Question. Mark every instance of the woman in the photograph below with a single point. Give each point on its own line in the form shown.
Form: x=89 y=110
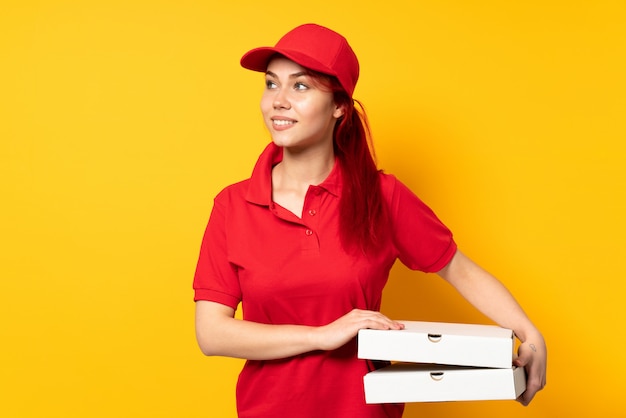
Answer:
x=307 y=242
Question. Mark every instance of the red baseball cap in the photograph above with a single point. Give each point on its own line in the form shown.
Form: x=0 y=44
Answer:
x=314 y=47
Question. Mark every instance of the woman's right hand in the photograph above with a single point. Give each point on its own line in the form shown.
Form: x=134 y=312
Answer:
x=342 y=330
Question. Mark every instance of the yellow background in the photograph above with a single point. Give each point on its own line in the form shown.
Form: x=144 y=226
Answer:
x=120 y=120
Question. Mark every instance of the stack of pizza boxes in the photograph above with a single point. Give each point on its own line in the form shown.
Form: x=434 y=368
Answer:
x=436 y=361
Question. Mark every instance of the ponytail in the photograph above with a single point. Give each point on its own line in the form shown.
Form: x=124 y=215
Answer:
x=362 y=210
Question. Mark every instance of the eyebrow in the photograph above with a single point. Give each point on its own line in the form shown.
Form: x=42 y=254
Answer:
x=294 y=75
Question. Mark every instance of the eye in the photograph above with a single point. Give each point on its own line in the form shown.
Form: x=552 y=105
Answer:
x=269 y=84
x=300 y=86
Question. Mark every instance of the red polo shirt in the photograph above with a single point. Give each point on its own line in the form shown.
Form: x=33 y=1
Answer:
x=289 y=270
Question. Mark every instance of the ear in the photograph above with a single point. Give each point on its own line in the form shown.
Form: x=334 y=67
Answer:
x=339 y=111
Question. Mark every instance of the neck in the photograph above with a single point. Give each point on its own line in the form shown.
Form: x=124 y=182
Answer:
x=297 y=171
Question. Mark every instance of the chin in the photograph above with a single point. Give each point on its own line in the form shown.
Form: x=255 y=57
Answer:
x=282 y=141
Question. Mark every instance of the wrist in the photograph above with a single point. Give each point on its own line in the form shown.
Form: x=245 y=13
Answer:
x=313 y=338
x=530 y=336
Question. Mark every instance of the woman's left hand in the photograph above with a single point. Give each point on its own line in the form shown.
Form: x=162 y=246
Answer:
x=532 y=355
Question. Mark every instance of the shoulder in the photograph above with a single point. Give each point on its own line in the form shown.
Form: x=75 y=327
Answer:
x=398 y=195
x=233 y=192
x=387 y=181
x=389 y=184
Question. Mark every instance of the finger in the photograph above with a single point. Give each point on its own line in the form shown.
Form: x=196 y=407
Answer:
x=526 y=397
x=381 y=323
x=376 y=320
x=393 y=324
x=530 y=392
x=521 y=360
x=525 y=354
x=534 y=384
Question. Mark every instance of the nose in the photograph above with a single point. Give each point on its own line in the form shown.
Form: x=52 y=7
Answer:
x=281 y=100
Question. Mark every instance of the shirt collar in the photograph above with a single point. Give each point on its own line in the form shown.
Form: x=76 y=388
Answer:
x=260 y=190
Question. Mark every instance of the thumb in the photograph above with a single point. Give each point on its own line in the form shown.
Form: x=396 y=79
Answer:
x=523 y=358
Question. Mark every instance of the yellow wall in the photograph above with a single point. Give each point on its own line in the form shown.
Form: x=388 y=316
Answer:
x=120 y=120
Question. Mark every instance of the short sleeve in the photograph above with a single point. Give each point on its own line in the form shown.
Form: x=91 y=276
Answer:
x=215 y=278
x=423 y=242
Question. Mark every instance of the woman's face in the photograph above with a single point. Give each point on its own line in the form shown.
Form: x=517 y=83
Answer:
x=298 y=112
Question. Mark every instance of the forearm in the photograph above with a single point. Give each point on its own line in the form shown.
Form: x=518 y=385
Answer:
x=494 y=300
x=487 y=294
x=220 y=334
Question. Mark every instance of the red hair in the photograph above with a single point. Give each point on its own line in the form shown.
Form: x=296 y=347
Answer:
x=362 y=212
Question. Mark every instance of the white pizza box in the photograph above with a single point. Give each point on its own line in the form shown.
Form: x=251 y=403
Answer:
x=409 y=382
x=441 y=343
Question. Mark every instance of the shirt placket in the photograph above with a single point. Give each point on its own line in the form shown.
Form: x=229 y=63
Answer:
x=310 y=220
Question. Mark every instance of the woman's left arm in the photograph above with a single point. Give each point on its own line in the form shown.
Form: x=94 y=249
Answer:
x=487 y=294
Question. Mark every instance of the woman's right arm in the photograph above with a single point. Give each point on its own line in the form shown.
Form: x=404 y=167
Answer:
x=219 y=333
